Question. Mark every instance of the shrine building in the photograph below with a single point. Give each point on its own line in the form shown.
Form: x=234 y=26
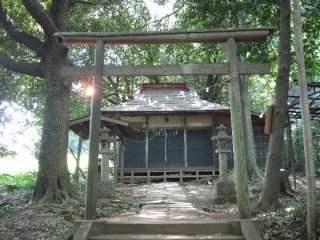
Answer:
x=173 y=134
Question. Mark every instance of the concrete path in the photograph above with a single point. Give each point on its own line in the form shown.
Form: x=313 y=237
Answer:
x=166 y=201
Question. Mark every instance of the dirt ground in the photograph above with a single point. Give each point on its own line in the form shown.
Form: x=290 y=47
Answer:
x=21 y=220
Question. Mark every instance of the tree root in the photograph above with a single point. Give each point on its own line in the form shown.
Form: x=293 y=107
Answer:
x=266 y=207
x=49 y=192
x=57 y=196
x=285 y=186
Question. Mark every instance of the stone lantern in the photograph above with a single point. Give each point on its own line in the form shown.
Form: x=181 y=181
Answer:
x=224 y=190
x=222 y=150
x=105 y=152
x=105 y=187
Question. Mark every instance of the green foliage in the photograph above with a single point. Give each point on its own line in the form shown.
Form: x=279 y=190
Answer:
x=107 y=15
x=15 y=182
x=114 y=15
x=16 y=122
x=298 y=148
x=5 y=206
x=161 y=2
x=24 y=90
x=110 y=16
x=201 y=14
x=204 y=14
x=298 y=212
x=4 y=119
x=5 y=152
x=311 y=26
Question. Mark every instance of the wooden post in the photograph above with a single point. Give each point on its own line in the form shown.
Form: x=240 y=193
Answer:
x=115 y=160
x=121 y=150
x=213 y=143
x=95 y=124
x=268 y=120
x=185 y=142
x=146 y=158
x=306 y=125
x=132 y=176
x=164 y=176
x=237 y=132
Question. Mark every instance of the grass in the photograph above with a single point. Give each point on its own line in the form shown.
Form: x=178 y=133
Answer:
x=13 y=184
x=16 y=182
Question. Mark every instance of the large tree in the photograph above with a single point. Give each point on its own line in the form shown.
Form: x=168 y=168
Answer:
x=34 y=50
x=271 y=187
x=49 y=56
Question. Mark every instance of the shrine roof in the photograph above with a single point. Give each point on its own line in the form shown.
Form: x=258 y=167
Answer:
x=157 y=98
x=294 y=109
x=81 y=126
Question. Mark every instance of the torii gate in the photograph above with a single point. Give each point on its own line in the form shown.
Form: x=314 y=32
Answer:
x=233 y=68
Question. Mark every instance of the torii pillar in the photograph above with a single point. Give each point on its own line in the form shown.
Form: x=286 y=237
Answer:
x=94 y=137
x=238 y=136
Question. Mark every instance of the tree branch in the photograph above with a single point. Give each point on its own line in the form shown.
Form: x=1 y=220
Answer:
x=19 y=35
x=167 y=15
x=85 y=2
x=32 y=69
x=75 y=158
x=41 y=16
x=111 y=101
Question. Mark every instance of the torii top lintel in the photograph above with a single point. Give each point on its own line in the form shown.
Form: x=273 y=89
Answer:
x=168 y=37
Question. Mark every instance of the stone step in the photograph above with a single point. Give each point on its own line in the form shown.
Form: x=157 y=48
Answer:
x=211 y=227
x=166 y=237
x=174 y=230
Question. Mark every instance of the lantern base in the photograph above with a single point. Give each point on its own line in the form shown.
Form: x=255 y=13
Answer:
x=105 y=189
x=224 y=192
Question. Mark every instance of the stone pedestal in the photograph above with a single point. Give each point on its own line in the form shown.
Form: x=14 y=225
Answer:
x=105 y=189
x=224 y=192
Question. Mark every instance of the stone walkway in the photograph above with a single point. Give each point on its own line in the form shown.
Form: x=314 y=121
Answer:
x=166 y=201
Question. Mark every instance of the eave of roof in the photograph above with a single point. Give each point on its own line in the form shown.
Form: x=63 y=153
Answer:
x=82 y=125
x=165 y=99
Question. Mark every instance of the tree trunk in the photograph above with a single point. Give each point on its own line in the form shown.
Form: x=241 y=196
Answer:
x=270 y=191
x=312 y=220
x=47 y=57
x=53 y=182
x=285 y=186
x=252 y=167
